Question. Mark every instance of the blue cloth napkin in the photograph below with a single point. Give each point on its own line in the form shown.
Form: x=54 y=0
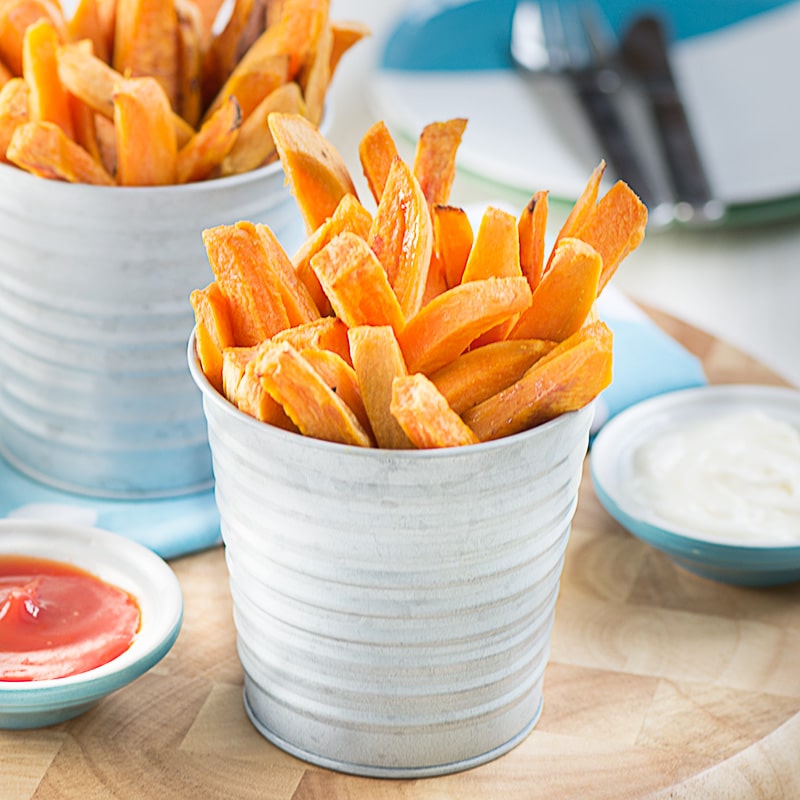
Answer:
x=171 y=527
x=647 y=361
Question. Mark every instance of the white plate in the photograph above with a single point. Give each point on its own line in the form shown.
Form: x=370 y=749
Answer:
x=116 y=560
x=531 y=135
x=748 y=562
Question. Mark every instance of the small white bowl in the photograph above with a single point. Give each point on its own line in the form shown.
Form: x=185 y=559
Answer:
x=731 y=560
x=116 y=560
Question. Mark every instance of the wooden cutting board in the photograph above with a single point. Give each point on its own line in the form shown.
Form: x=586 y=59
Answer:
x=660 y=684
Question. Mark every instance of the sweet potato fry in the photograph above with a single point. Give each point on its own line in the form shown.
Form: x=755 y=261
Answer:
x=452 y=241
x=211 y=310
x=615 y=228
x=223 y=51
x=255 y=26
x=436 y=282
x=43 y=149
x=106 y=143
x=293 y=36
x=315 y=77
x=345 y=35
x=5 y=74
x=444 y=328
x=531 y=229
x=435 y=158
x=494 y=253
x=234 y=363
x=274 y=10
x=87 y=76
x=350 y=216
x=324 y=333
x=401 y=236
x=296 y=299
x=318 y=176
x=425 y=416
x=341 y=378
x=146 y=43
x=107 y=19
x=94 y=81
x=478 y=374
x=377 y=151
x=584 y=205
x=147 y=148
x=212 y=313
x=13 y=111
x=243 y=388
x=252 y=399
x=84 y=126
x=355 y=283
x=377 y=361
x=308 y=401
x=48 y=100
x=565 y=295
x=15 y=17
x=250 y=84
x=189 y=99
x=254 y=146
x=204 y=152
x=239 y=264
x=209 y=355
x=565 y=380
x=86 y=23
x=300 y=24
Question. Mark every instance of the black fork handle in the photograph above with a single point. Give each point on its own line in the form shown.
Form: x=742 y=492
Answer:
x=612 y=135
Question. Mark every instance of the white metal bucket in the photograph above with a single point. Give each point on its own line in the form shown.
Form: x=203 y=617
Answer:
x=95 y=394
x=393 y=608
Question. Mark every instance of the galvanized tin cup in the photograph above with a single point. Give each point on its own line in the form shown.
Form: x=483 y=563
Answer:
x=393 y=608
x=95 y=394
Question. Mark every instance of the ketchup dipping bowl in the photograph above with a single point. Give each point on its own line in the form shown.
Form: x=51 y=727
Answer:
x=112 y=559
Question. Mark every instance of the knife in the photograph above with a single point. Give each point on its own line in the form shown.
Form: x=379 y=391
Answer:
x=644 y=51
x=533 y=49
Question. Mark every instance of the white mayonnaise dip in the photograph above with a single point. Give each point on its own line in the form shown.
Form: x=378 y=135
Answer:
x=736 y=477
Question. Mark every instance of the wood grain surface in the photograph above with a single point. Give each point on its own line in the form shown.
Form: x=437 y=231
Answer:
x=660 y=684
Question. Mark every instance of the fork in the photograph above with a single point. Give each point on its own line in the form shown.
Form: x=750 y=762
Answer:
x=568 y=38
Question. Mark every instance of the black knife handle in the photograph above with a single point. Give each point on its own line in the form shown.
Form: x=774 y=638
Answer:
x=644 y=49
x=683 y=160
x=613 y=136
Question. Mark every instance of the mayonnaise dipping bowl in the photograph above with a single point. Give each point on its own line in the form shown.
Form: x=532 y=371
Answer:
x=711 y=477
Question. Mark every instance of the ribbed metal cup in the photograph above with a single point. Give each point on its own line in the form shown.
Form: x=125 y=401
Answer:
x=393 y=608
x=95 y=394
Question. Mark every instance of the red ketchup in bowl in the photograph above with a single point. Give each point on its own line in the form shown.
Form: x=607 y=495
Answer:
x=58 y=620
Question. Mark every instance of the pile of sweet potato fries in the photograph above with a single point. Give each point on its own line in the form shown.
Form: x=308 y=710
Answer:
x=406 y=328
x=159 y=92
